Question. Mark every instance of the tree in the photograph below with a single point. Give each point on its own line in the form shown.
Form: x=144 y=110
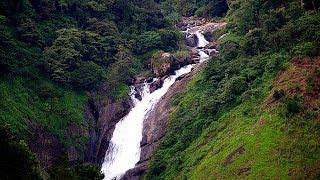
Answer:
x=78 y=58
x=255 y=42
x=120 y=72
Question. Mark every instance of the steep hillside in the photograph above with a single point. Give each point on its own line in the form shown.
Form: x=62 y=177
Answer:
x=253 y=112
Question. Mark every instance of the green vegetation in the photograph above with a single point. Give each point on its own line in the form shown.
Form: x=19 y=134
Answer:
x=238 y=118
x=173 y=9
x=62 y=170
x=42 y=102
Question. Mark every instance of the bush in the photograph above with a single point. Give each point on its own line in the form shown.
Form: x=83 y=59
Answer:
x=87 y=76
x=62 y=170
x=255 y=42
x=292 y=106
x=88 y=172
x=47 y=90
x=278 y=94
x=275 y=62
x=305 y=49
x=230 y=50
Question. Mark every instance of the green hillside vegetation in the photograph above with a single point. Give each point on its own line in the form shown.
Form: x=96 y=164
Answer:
x=253 y=112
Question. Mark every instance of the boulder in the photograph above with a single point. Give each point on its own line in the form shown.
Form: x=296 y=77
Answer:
x=164 y=64
x=191 y=40
x=155 y=85
x=182 y=26
x=141 y=79
x=188 y=58
x=138 y=88
x=211 y=45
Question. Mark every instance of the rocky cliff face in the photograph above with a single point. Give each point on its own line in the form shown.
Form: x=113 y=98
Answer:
x=102 y=115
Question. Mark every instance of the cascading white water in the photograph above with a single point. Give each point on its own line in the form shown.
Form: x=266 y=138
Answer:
x=124 y=150
x=202 y=42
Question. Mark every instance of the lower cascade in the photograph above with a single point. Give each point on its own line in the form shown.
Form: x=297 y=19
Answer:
x=124 y=149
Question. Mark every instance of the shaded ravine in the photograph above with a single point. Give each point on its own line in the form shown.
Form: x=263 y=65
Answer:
x=124 y=150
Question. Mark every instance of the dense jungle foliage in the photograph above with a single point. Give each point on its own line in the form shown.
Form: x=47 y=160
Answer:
x=174 y=9
x=253 y=112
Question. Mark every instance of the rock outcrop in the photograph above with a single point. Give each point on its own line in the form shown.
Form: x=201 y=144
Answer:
x=191 y=40
x=154 y=126
x=156 y=85
x=193 y=24
x=189 y=58
x=164 y=64
x=102 y=114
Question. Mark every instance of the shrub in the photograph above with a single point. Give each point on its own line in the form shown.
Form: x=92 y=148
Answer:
x=254 y=43
x=292 y=106
x=278 y=94
x=87 y=76
x=275 y=62
x=230 y=50
x=305 y=49
x=163 y=40
x=47 y=90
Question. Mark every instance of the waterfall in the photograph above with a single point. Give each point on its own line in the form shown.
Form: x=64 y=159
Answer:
x=124 y=149
x=202 y=42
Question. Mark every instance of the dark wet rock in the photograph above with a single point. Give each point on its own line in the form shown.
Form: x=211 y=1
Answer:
x=209 y=36
x=191 y=40
x=141 y=79
x=138 y=96
x=155 y=85
x=182 y=26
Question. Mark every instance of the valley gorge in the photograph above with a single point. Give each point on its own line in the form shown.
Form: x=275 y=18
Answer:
x=153 y=90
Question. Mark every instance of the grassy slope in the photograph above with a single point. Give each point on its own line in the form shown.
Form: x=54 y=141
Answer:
x=275 y=146
x=258 y=138
x=41 y=101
